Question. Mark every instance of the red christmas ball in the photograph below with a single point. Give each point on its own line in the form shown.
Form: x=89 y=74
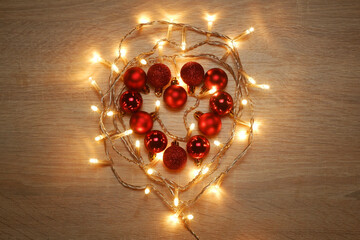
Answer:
x=175 y=96
x=198 y=146
x=192 y=73
x=174 y=157
x=155 y=141
x=221 y=103
x=209 y=124
x=130 y=101
x=159 y=75
x=135 y=78
x=217 y=78
x=141 y=122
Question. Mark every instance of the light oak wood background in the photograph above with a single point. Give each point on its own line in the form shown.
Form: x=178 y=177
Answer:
x=301 y=179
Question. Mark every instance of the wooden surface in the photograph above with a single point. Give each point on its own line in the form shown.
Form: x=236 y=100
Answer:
x=301 y=179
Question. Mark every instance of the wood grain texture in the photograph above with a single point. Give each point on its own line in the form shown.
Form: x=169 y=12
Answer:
x=301 y=179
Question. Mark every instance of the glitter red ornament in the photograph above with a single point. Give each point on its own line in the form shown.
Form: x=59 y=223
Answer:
x=215 y=77
x=159 y=75
x=175 y=96
x=221 y=103
x=208 y=123
x=135 y=79
x=198 y=147
x=141 y=122
x=155 y=141
x=192 y=73
x=174 y=157
x=130 y=101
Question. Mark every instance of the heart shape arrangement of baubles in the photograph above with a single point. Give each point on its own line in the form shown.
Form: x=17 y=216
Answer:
x=175 y=97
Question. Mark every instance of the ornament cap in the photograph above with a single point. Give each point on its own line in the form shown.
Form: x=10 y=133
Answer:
x=175 y=143
x=174 y=81
x=191 y=89
x=198 y=114
x=158 y=92
x=146 y=89
x=198 y=161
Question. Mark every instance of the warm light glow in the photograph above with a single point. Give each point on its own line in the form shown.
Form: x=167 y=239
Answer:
x=212 y=90
x=96 y=58
x=147 y=190
x=94 y=108
x=114 y=68
x=174 y=218
x=93 y=161
x=160 y=44
x=210 y=18
x=128 y=132
x=183 y=46
x=157 y=103
x=92 y=81
x=196 y=172
x=144 y=19
x=217 y=143
x=205 y=170
x=256 y=126
x=250 y=30
x=242 y=135
x=110 y=113
x=137 y=144
x=244 y=102
x=215 y=188
x=150 y=171
x=100 y=137
x=192 y=126
x=264 y=86
x=160 y=155
x=251 y=80
x=232 y=44
x=190 y=217
x=143 y=61
x=176 y=201
x=122 y=52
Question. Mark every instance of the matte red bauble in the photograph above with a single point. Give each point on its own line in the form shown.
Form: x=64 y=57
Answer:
x=130 y=101
x=175 y=96
x=215 y=77
x=221 y=103
x=141 y=122
x=155 y=141
x=159 y=75
x=209 y=124
x=192 y=73
x=135 y=79
x=198 y=146
x=174 y=157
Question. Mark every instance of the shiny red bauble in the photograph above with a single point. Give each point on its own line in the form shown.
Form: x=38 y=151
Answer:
x=198 y=146
x=192 y=73
x=215 y=77
x=209 y=124
x=130 y=101
x=155 y=141
x=174 y=157
x=175 y=96
x=159 y=75
x=221 y=103
x=135 y=79
x=141 y=122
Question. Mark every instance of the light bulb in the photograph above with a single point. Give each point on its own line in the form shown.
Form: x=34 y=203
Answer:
x=122 y=52
x=205 y=170
x=144 y=19
x=212 y=90
x=147 y=190
x=93 y=161
x=190 y=217
x=192 y=126
x=110 y=113
x=242 y=135
x=114 y=68
x=137 y=144
x=244 y=102
x=94 y=108
x=143 y=61
x=251 y=80
x=217 y=143
x=96 y=58
x=150 y=171
x=176 y=201
x=100 y=137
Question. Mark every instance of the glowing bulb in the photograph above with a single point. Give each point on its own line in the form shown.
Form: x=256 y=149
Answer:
x=100 y=137
x=96 y=58
x=256 y=126
x=144 y=19
x=157 y=103
x=217 y=143
x=159 y=155
x=114 y=68
x=242 y=135
x=244 y=102
x=137 y=144
x=232 y=43
x=264 y=86
x=192 y=126
x=128 y=132
x=196 y=172
x=143 y=61
x=183 y=46
x=210 y=18
x=94 y=108
x=176 y=201
x=251 y=29
x=205 y=170
x=190 y=217
x=150 y=171
x=174 y=218
x=147 y=190
x=92 y=81
x=122 y=52
x=93 y=161
x=251 y=80
x=110 y=113
x=212 y=90
x=215 y=189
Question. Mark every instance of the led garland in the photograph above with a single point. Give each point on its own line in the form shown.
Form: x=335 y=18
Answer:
x=109 y=101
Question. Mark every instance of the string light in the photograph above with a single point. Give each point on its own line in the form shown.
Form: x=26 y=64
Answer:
x=110 y=113
x=251 y=80
x=212 y=90
x=150 y=171
x=157 y=106
x=96 y=58
x=100 y=137
x=174 y=218
x=93 y=160
x=176 y=201
x=210 y=19
x=144 y=19
x=264 y=86
x=191 y=128
x=256 y=126
x=183 y=39
x=159 y=156
x=143 y=61
x=147 y=190
x=94 y=108
x=250 y=30
x=114 y=68
x=217 y=143
x=244 y=102
x=242 y=135
x=190 y=217
x=137 y=146
x=205 y=170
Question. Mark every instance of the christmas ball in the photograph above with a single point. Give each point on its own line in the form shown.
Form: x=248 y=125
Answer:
x=130 y=101
x=174 y=157
x=221 y=103
x=155 y=141
x=141 y=122
x=135 y=79
x=209 y=124
x=198 y=146
x=192 y=73
x=159 y=75
x=175 y=96
x=215 y=77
